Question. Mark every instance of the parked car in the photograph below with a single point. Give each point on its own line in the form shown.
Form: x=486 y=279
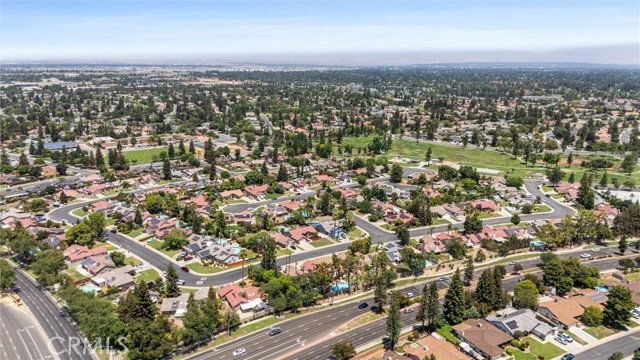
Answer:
x=561 y=340
x=635 y=314
x=585 y=256
x=595 y=249
x=408 y=310
x=566 y=337
x=567 y=357
x=185 y=269
x=239 y=351
x=363 y=305
x=188 y=257
x=113 y=231
x=275 y=331
x=442 y=278
x=410 y=295
x=513 y=263
x=180 y=282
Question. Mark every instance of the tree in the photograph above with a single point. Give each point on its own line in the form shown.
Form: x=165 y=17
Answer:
x=380 y=292
x=117 y=257
x=138 y=217
x=623 y=245
x=617 y=309
x=394 y=326
x=472 y=224
x=283 y=175
x=604 y=180
x=525 y=295
x=480 y=256
x=172 y=282
x=454 y=309
x=268 y=261
x=515 y=181
x=147 y=340
x=515 y=219
x=47 y=265
x=570 y=159
x=97 y=223
x=618 y=355
x=166 y=169
x=343 y=350
x=428 y=155
x=175 y=240
x=7 y=276
x=628 y=164
x=403 y=235
x=554 y=175
x=396 y=173
x=468 y=271
x=137 y=305
x=586 y=195
x=592 y=316
x=572 y=178
x=456 y=248
x=628 y=221
x=172 y=151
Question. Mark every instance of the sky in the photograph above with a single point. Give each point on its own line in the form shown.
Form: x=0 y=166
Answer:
x=348 y=32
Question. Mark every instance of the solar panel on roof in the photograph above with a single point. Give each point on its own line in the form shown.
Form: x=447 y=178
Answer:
x=598 y=297
x=512 y=324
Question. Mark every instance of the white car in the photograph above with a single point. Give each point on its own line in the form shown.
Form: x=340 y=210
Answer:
x=409 y=295
x=513 y=263
x=595 y=249
x=239 y=352
x=585 y=256
x=251 y=208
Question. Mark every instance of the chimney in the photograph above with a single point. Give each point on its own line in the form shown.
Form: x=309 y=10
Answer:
x=426 y=348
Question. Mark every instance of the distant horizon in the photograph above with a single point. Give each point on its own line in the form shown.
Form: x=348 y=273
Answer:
x=331 y=32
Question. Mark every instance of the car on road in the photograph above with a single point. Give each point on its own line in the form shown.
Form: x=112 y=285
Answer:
x=595 y=249
x=239 y=351
x=585 y=256
x=298 y=193
x=251 y=208
x=363 y=306
x=410 y=295
x=113 y=231
x=184 y=268
x=442 y=278
x=180 y=282
x=164 y=273
x=513 y=263
x=408 y=310
x=567 y=357
x=520 y=279
x=275 y=331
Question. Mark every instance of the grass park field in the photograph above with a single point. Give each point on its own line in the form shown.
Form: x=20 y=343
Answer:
x=142 y=156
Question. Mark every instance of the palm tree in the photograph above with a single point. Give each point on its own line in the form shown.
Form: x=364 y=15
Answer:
x=243 y=256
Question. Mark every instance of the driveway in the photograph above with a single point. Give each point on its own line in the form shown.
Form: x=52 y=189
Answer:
x=583 y=335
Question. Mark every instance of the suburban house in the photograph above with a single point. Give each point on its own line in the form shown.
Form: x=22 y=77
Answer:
x=98 y=264
x=429 y=244
x=566 y=312
x=486 y=205
x=276 y=212
x=231 y=195
x=244 y=217
x=102 y=206
x=438 y=346
x=304 y=233
x=482 y=337
x=511 y=320
x=120 y=278
x=78 y=253
x=235 y=296
x=176 y=306
x=256 y=190
x=280 y=238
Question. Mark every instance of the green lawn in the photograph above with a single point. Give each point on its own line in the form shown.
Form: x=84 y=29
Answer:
x=487 y=215
x=355 y=233
x=541 y=208
x=204 y=269
x=284 y=252
x=79 y=212
x=132 y=261
x=142 y=156
x=158 y=246
x=546 y=188
x=148 y=275
x=75 y=275
x=600 y=332
x=447 y=333
x=271 y=196
x=135 y=233
x=548 y=350
x=108 y=246
x=321 y=242
x=519 y=355
x=440 y=221
x=515 y=258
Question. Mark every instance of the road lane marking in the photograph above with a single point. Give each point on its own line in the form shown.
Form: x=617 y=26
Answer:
x=25 y=344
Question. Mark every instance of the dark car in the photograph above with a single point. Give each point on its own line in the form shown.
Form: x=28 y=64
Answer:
x=567 y=357
x=113 y=231
x=363 y=305
x=185 y=269
x=275 y=331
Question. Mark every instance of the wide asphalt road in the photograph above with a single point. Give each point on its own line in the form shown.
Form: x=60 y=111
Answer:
x=20 y=337
x=627 y=344
x=60 y=333
x=300 y=333
x=378 y=235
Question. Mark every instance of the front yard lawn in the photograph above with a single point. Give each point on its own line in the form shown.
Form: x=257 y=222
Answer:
x=132 y=261
x=546 y=188
x=487 y=215
x=284 y=252
x=446 y=332
x=519 y=355
x=75 y=274
x=204 y=269
x=548 y=350
x=158 y=246
x=148 y=275
x=440 y=221
x=79 y=212
x=107 y=246
x=135 y=233
x=321 y=242
x=271 y=196
x=600 y=332
x=541 y=208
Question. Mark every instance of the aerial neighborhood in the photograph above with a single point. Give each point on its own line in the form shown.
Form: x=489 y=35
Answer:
x=387 y=213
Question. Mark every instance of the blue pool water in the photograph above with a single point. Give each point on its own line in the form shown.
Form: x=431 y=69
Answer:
x=236 y=249
x=222 y=241
x=88 y=289
x=602 y=289
x=537 y=244
x=340 y=287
